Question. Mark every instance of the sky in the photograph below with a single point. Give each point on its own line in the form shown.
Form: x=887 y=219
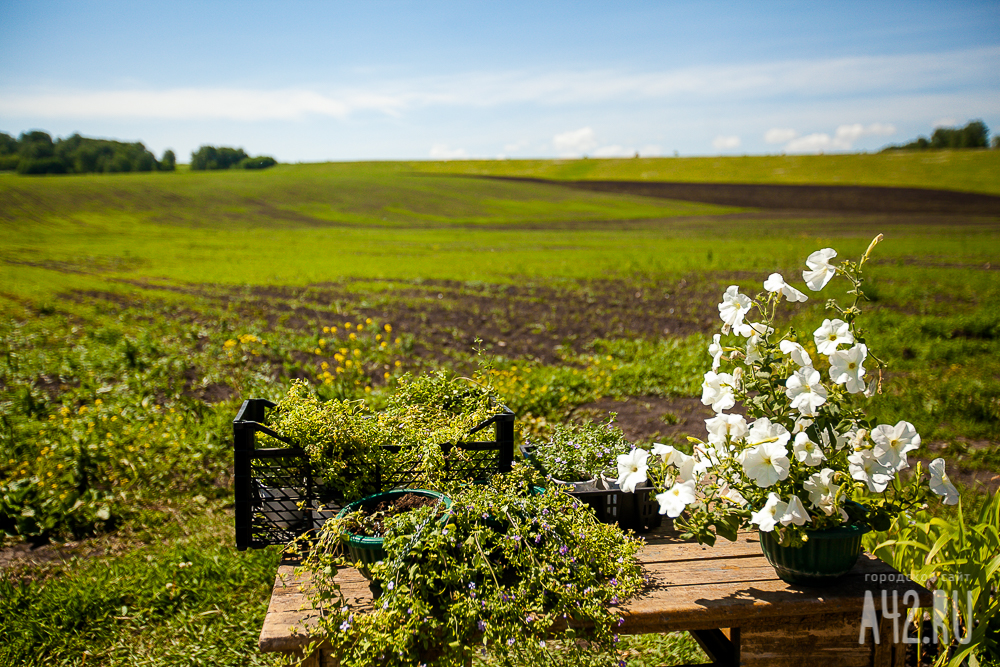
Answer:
x=310 y=81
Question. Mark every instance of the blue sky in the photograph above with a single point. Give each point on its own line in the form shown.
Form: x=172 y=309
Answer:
x=313 y=81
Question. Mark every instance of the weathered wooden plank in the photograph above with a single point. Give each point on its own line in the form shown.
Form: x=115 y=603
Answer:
x=796 y=641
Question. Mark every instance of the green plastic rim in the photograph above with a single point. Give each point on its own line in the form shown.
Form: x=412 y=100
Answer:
x=827 y=555
x=370 y=550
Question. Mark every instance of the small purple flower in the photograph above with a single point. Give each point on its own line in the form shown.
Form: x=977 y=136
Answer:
x=392 y=585
x=510 y=642
x=472 y=585
x=482 y=626
x=563 y=550
x=444 y=532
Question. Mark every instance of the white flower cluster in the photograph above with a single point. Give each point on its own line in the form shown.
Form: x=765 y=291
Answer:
x=795 y=463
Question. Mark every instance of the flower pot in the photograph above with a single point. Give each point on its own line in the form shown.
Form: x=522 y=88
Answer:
x=827 y=554
x=370 y=550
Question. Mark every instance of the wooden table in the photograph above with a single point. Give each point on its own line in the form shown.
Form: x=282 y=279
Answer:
x=728 y=597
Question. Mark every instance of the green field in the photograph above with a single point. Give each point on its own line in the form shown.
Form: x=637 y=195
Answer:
x=965 y=171
x=138 y=311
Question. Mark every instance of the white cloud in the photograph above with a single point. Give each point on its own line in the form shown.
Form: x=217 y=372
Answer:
x=651 y=150
x=842 y=140
x=945 y=122
x=614 y=151
x=442 y=152
x=882 y=76
x=574 y=142
x=778 y=135
x=721 y=143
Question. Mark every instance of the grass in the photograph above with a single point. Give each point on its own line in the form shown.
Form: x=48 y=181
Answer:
x=137 y=311
x=965 y=171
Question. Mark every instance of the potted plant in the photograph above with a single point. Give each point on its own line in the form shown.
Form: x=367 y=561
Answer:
x=362 y=523
x=807 y=466
x=579 y=456
x=452 y=589
x=356 y=448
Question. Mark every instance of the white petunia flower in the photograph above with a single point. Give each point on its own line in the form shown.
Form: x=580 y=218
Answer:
x=770 y=514
x=632 y=469
x=676 y=498
x=733 y=308
x=940 y=484
x=762 y=430
x=717 y=391
x=663 y=451
x=822 y=491
x=753 y=333
x=796 y=352
x=715 y=349
x=775 y=283
x=892 y=444
x=806 y=451
x=766 y=463
x=795 y=513
x=831 y=334
x=820 y=270
x=805 y=390
x=722 y=426
x=846 y=367
x=801 y=424
x=865 y=468
x=732 y=495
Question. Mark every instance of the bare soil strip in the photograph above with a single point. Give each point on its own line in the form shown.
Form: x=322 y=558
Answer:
x=837 y=198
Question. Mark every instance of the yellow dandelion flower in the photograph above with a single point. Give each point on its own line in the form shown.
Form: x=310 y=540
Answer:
x=322 y=342
x=388 y=328
x=347 y=325
x=398 y=341
x=360 y=327
x=378 y=336
x=382 y=344
x=326 y=329
x=386 y=375
x=357 y=352
x=398 y=363
x=318 y=351
x=353 y=336
x=333 y=329
x=324 y=365
x=368 y=320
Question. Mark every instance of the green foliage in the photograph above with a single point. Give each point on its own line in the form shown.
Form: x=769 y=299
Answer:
x=262 y=162
x=169 y=161
x=38 y=154
x=961 y=559
x=580 y=452
x=350 y=441
x=973 y=135
x=508 y=574
x=188 y=598
x=223 y=157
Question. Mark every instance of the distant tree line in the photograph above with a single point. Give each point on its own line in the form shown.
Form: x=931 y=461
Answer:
x=223 y=157
x=35 y=153
x=973 y=135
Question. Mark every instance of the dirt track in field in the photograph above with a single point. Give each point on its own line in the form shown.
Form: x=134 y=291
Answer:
x=832 y=198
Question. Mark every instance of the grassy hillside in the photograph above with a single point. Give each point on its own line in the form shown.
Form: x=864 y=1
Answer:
x=138 y=311
x=965 y=171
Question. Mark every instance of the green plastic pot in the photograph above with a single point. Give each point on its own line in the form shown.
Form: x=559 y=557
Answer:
x=827 y=555
x=370 y=550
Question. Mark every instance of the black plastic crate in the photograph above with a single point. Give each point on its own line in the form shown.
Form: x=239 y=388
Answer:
x=637 y=511
x=278 y=497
